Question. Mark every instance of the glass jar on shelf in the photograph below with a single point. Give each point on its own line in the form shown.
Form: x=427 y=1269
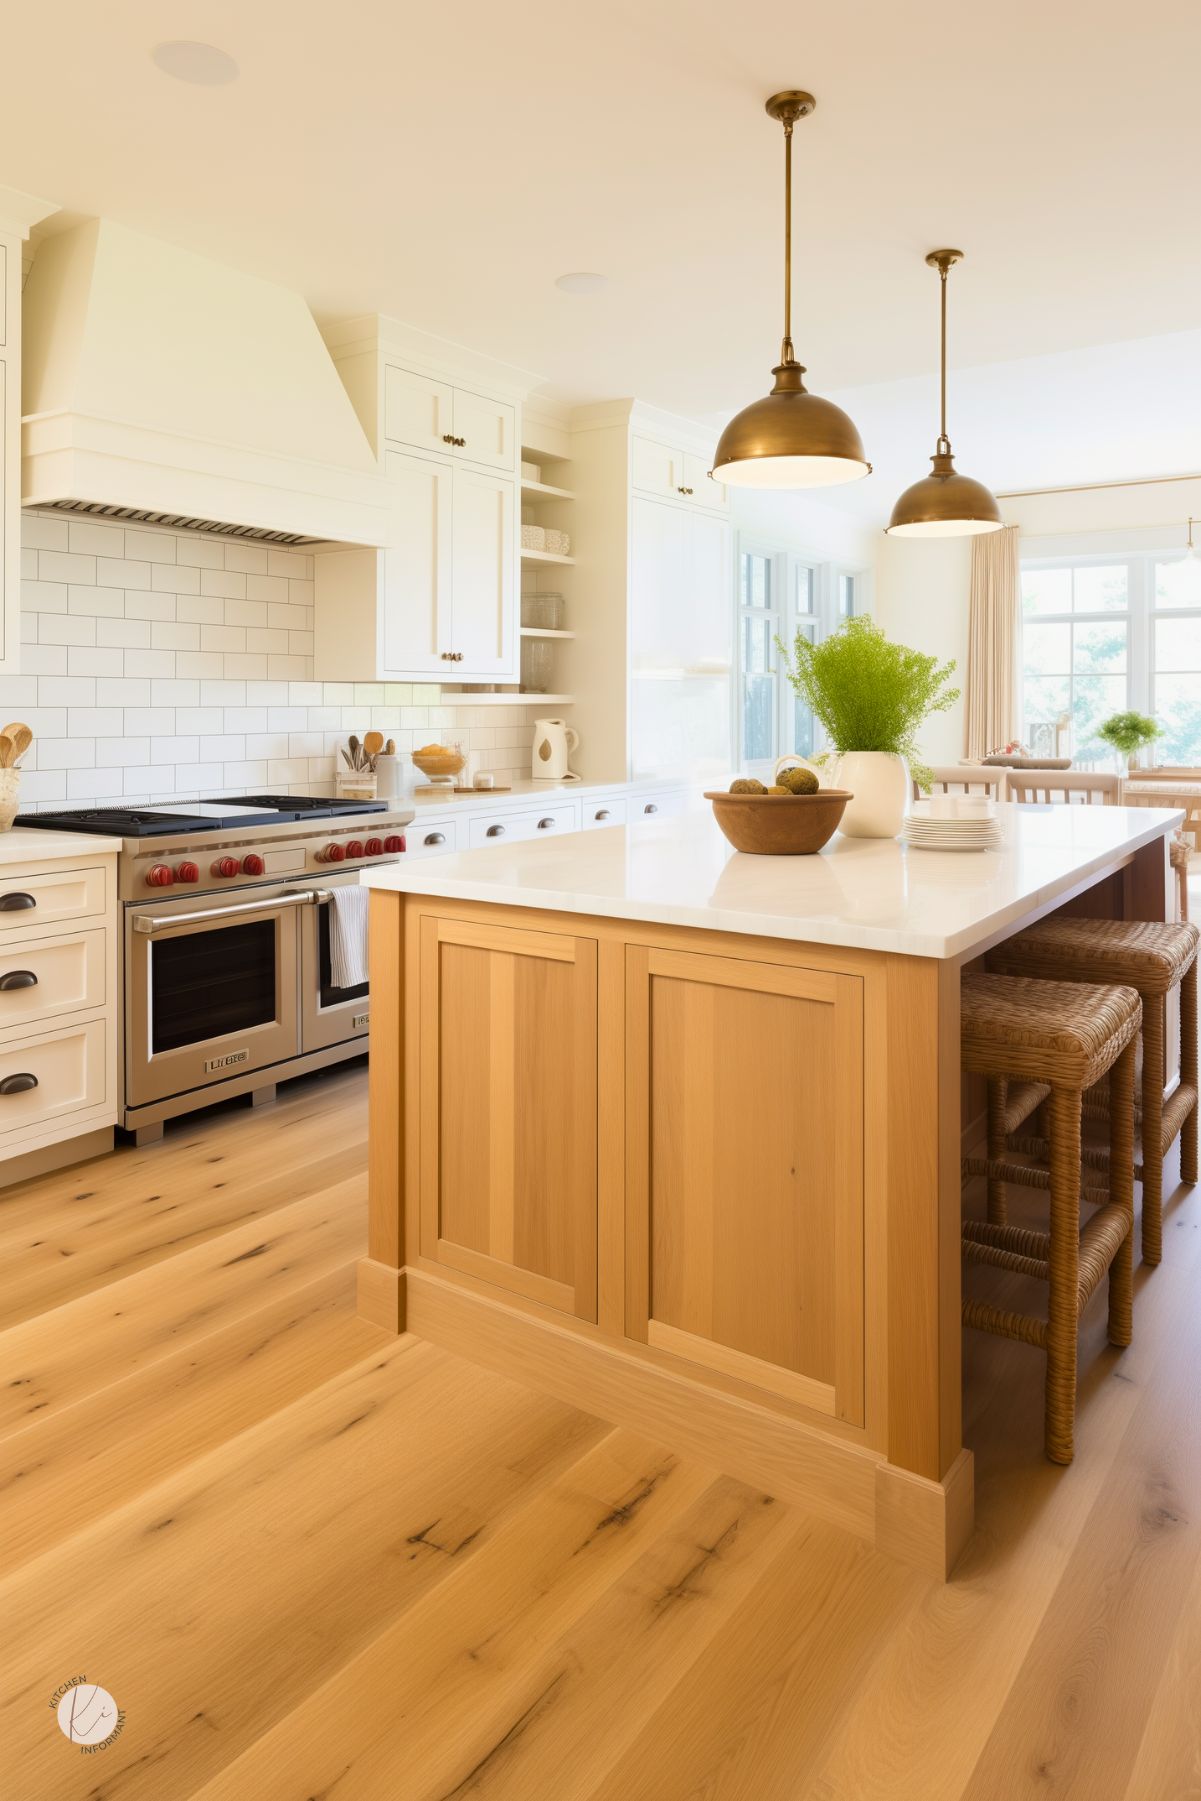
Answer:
x=542 y=612
x=536 y=661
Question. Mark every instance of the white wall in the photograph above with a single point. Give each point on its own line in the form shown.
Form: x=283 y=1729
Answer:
x=922 y=591
x=800 y=523
x=170 y=665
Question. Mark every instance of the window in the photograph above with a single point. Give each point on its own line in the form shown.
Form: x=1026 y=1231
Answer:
x=1104 y=632
x=779 y=595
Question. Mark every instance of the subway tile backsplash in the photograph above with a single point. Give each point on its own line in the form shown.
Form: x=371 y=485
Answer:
x=165 y=665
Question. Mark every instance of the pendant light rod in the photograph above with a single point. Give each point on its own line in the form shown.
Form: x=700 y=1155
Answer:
x=943 y=260
x=788 y=107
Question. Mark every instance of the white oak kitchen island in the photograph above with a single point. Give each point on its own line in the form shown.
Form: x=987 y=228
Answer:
x=675 y=1133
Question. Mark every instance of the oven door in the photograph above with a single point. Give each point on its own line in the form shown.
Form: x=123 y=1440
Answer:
x=211 y=988
x=328 y=1015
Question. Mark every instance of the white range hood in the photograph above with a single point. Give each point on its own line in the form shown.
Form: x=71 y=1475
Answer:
x=158 y=384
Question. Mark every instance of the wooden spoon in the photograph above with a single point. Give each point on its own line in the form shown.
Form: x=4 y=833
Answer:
x=373 y=743
x=21 y=737
x=355 y=747
x=7 y=751
x=390 y=748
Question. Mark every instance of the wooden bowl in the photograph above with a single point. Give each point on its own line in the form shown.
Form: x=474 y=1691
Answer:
x=779 y=825
x=432 y=766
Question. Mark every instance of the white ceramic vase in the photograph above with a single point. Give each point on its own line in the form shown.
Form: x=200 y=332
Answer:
x=879 y=782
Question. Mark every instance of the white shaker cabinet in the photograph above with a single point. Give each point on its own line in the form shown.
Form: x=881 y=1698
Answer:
x=483 y=607
x=671 y=472
x=424 y=413
x=17 y=213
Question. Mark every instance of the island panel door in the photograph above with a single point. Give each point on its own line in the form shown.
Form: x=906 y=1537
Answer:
x=744 y=1177
x=508 y=1109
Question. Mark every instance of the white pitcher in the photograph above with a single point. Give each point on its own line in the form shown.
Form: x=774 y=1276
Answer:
x=554 y=740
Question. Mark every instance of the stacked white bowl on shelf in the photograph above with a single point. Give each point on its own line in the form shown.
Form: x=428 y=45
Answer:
x=953 y=822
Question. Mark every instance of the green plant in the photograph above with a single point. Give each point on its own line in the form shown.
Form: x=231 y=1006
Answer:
x=869 y=693
x=1128 y=732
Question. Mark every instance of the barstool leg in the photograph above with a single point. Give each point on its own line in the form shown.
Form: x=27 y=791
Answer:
x=1188 y=1070
x=1064 y=1271
x=998 y=1099
x=1121 y=1190
x=1153 y=1065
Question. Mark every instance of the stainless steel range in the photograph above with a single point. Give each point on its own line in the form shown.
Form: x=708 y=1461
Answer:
x=225 y=951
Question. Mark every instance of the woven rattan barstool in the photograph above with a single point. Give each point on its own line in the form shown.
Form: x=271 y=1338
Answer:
x=1178 y=856
x=1155 y=959
x=1063 y=1036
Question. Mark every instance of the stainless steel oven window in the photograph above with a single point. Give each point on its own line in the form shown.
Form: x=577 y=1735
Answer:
x=207 y=985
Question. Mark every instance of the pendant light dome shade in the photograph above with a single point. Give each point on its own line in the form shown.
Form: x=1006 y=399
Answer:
x=790 y=438
x=944 y=504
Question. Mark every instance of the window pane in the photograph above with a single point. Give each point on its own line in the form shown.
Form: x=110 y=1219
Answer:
x=1044 y=699
x=1094 y=698
x=1046 y=591
x=1047 y=649
x=758 y=708
x=803 y=735
x=846 y=596
x=1178 y=711
x=756 y=580
x=1178 y=583
x=1099 y=649
x=806 y=594
x=757 y=647
x=1100 y=590
x=1178 y=644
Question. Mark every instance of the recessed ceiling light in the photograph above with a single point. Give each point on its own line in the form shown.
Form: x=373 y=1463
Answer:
x=203 y=65
x=582 y=281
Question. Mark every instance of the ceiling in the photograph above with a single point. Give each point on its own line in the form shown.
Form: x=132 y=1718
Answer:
x=445 y=164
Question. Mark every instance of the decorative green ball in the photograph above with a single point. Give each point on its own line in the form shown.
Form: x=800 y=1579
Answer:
x=747 y=784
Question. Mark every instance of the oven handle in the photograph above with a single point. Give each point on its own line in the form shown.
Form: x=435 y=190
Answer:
x=308 y=897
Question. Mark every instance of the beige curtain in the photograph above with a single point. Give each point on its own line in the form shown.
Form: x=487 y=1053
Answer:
x=991 y=710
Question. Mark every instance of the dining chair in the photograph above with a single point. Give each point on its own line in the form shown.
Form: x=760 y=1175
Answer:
x=965 y=778
x=1075 y=787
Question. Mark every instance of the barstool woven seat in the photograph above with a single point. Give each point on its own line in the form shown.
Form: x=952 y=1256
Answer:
x=1154 y=957
x=1059 y=1037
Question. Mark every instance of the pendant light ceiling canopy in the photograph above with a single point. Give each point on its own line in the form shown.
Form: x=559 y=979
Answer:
x=944 y=504
x=790 y=438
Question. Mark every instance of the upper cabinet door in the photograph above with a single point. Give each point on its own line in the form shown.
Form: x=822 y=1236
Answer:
x=700 y=484
x=415 y=628
x=418 y=410
x=656 y=468
x=485 y=431
x=484 y=585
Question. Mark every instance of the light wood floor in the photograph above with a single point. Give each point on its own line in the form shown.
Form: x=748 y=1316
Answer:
x=313 y=1563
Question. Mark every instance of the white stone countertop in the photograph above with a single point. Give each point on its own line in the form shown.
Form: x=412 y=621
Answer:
x=526 y=793
x=29 y=844
x=871 y=894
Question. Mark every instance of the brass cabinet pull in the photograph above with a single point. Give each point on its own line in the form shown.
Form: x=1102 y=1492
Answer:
x=17 y=978
x=435 y=838
x=684 y=490
x=650 y=807
x=16 y=902
x=452 y=656
x=495 y=831
x=603 y=814
x=20 y=1083
x=449 y=438
x=545 y=825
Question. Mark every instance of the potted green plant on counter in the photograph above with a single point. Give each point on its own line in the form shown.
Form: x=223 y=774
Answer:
x=871 y=696
x=1128 y=733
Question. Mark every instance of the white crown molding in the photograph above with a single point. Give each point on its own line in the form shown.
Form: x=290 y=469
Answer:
x=393 y=340
x=19 y=212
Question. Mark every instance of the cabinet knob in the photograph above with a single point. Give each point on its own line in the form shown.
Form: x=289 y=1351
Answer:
x=545 y=825
x=16 y=903
x=435 y=838
x=495 y=831
x=20 y=1083
x=17 y=978
x=462 y=443
x=449 y=438
x=684 y=490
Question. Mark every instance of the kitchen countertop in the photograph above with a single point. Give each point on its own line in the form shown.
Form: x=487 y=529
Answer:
x=873 y=894
x=27 y=844
x=528 y=792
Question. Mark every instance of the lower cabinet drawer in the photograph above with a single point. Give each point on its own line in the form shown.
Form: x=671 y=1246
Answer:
x=41 y=978
x=50 y=897
x=431 y=837
x=546 y=822
x=45 y=1077
x=666 y=805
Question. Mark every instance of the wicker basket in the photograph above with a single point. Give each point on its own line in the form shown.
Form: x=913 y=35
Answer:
x=533 y=537
x=559 y=542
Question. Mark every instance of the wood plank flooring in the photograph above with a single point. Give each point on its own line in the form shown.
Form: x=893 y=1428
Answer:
x=315 y=1563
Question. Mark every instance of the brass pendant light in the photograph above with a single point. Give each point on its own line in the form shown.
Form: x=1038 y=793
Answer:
x=944 y=504
x=790 y=438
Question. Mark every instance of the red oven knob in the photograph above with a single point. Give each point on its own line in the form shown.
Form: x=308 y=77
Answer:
x=394 y=843
x=333 y=853
x=374 y=847
x=187 y=872
x=226 y=866
x=253 y=864
x=159 y=876
x=354 y=847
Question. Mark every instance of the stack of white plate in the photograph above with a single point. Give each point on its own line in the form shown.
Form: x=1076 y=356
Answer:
x=953 y=822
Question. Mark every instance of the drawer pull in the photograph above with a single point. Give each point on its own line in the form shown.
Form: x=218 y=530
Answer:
x=435 y=838
x=603 y=814
x=495 y=831
x=16 y=902
x=545 y=825
x=19 y=1084
x=17 y=978
x=650 y=807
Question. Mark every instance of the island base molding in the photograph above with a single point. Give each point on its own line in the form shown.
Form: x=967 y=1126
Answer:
x=910 y=1517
